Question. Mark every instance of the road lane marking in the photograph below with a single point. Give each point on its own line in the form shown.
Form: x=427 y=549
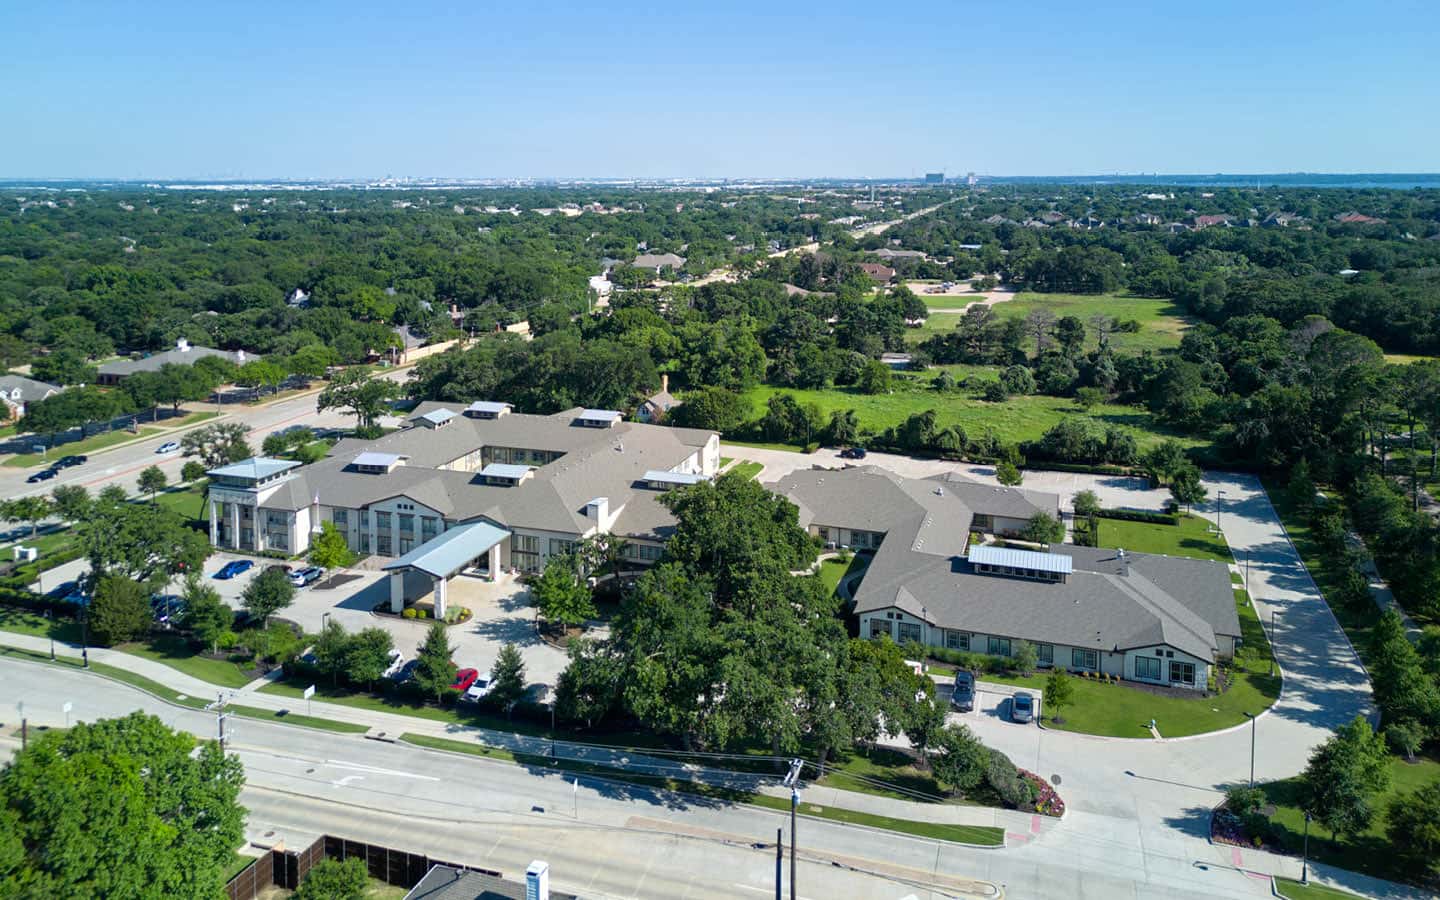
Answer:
x=376 y=770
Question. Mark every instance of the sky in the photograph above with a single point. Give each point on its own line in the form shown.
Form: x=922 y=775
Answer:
x=362 y=89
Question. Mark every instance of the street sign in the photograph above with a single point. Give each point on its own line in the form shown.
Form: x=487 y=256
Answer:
x=67 y=707
x=310 y=692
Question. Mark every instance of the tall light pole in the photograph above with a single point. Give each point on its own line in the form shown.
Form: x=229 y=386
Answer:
x=1253 y=720
x=1305 y=866
x=792 y=781
x=1218 y=495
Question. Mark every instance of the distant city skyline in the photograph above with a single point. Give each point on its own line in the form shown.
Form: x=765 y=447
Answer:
x=328 y=91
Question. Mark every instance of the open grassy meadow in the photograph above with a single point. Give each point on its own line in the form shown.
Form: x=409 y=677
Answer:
x=1162 y=323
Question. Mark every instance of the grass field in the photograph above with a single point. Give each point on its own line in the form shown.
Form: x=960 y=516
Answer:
x=746 y=469
x=188 y=501
x=1369 y=852
x=176 y=653
x=88 y=445
x=1294 y=890
x=970 y=834
x=1192 y=537
x=834 y=569
x=1017 y=419
x=1162 y=323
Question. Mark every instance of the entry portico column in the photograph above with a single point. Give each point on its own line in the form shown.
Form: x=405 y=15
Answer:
x=495 y=562
x=397 y=591
x=235 y=526
x=440 y=598
x=214 y=525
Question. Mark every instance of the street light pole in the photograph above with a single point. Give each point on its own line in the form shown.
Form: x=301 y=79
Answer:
x=1253 y=720
x=84 y=636
x=1305 y=866
x=794 y=803
x=1218 y=501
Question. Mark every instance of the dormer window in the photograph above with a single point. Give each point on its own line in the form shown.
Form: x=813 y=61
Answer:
x=505 y=474
x=487 y=409
x=597 y=418
x=372 y=463
x=436 y=418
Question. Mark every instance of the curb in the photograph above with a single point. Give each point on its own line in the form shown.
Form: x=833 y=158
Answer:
x=139 y=438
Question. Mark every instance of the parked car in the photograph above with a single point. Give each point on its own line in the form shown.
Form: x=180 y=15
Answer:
x=306 y=576
x=66 y=462
x=464 y=678
x=234 y=567
x=1022 y=708
x=963 y=697
x=167 y=607
x=42 y=475
x=477 y=691
x=853 y=453
x=406 y=672
x=279 y=567
x=168 y=447
x=397 y=662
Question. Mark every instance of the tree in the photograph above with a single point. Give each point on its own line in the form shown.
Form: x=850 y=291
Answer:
x=328 y=549
x=206 y=615
x=508 y=678
x=360 y=394
x=1038 y=323
x=71 y=502
x=33 y=510
x=1342 y=777
x=261 y=374
x=217 y=445
x=1413 y=826
x=1403 y=689
x=142 y=542
x=1025 y=657
x=332 y=879
x=330 y=650
x=367 y=655
x=1059 y=692
x=874 y=378
x=962 y=759
x=1406 y=737
x=268 y=593
x=435 y=672
x=1008 y=474
x=561 y=595
x=589 y=688
x=152 y=481
x=192 y=471
x=1185 y=486
x=119 y=808
x=711 y=408
x=1163 y=460
x=1086 y=504
x=120 y=610
x=1043 y=528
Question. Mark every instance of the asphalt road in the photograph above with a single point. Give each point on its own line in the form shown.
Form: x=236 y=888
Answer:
x=611 y=839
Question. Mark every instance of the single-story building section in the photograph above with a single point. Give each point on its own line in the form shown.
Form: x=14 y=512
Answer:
x=184 y=353
x=1143 y=617
x=17 y=390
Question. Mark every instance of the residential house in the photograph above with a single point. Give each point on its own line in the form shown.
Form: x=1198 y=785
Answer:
x=880 y=274
x=17 y=390
x=184 y=353
x=657 y=261
x=1143 y=617
x=1355 y=218
x=653 y=409
x=1220 y=221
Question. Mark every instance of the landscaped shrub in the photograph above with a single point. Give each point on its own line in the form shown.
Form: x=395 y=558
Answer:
x=409 y=613
x=1007 y=782
x=1139 y=515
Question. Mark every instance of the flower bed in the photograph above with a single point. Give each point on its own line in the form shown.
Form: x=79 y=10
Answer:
x=1228 y=828
x=1047 y=800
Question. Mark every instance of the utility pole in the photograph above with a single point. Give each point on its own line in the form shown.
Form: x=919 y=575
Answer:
x=779 y=861
x=792 y=781
x=220 y=717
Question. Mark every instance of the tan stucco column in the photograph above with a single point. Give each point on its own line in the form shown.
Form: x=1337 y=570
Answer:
x=397 y=592
x=495 y=563
x=440 y=585
x=214 y=524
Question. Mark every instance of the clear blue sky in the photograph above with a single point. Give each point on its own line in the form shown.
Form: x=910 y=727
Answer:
x=317 y=89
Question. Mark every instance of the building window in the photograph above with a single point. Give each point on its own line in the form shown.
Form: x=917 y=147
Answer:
x=280 y=541
x=1045 y=653
x=1147 y=667
x=382 y=544
x=558 y=546
x=406 y=523
x=406 y=545
x=997 y=646
x=957 y=640
x=382 y=521
x=879 y=627
x=429 y=527
x=643 y=552
x=909 y=631
x=1085 y=659
x=341 y=517
x=823 y=533
x=1182 y=673
x=364 y=542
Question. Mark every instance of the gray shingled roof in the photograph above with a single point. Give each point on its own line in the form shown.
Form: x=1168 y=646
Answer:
x=122 y=368
x=29 y=388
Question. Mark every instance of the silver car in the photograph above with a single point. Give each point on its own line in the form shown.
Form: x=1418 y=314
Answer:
x=1022 y=708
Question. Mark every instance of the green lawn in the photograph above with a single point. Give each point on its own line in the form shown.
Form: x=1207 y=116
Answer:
x=970 y=834
x=1023 y=418
x=1370 y=852
x=944 y=301
x=1192 y=537
x=188 y=501
x=834 y=569
x=176 y=653
x=23 y=621
x=88 y=445
x=762 y=445
x=1294 y=890
x=292 y=718
x=747 y=469
x=1162 y=323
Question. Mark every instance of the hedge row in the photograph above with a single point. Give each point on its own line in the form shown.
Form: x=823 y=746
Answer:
x=1140 y=515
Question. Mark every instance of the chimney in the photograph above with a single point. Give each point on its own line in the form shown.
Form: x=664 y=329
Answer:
x=182 y=345
x=1124 y=561
x=598 y=509
x=665 y=383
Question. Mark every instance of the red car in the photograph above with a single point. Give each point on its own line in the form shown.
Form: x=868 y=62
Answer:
x=463 y=679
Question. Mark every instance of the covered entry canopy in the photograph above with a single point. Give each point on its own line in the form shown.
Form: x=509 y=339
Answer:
x=448 y=553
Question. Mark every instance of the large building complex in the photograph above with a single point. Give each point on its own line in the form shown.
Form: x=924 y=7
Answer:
x=476 y=488
x=1154 y=619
